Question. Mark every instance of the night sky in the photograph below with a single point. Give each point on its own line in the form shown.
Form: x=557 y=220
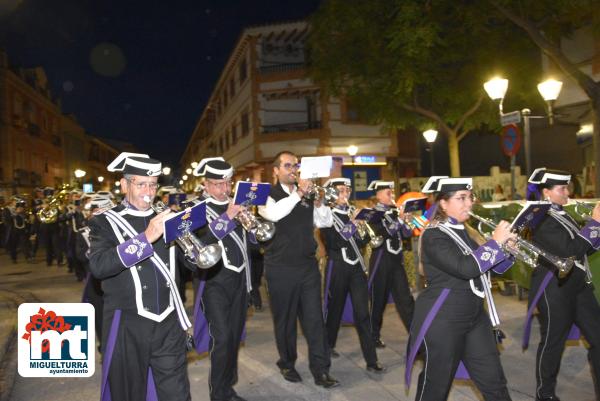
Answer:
x=137 y=71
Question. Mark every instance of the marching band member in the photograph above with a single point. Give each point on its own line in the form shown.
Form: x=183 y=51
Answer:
x=224 y=292
x=346 y=274
x=141 y=334
x=74 y=222
x=450 y=323
x=387 y=274
x=49 y=232
x=292 y=272
x=562 y=302
x=17 y=229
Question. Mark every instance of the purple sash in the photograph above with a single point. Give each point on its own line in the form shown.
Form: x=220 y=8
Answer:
x=348 y=314
x=410 y=360
x=110 y=347
x=84 y=296
x=574 y=333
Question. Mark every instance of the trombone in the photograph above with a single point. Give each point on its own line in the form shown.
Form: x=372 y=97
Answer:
x=526 y=251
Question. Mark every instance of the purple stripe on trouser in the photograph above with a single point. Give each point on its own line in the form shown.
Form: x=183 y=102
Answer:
x=327 y=282
x=110 y=347
x=375 y=267
x=348 y=313
x=105 y=395
x=410 y=360
x=201 y=333
x=84 y=297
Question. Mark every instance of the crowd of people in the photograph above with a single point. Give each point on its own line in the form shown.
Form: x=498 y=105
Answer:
x=138 y=281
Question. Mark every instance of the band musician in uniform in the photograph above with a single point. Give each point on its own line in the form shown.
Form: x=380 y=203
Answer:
x=224 y=294
x=144 y=336
x=387 y=274
x=565 y=301
x=450 y=322
x=292 y=272
x=346 y=275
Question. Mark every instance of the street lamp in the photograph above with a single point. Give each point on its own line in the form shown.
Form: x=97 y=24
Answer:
x=117 y=183
x=166 y=170
x=100 y=179
x=180 y=182
x=188 y=171
x=185 y=177
x=352 y=151
x=79 y=173
x=549 y=89
x=194 y=164
x=430 y=136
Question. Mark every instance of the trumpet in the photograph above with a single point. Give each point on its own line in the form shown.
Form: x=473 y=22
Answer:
x=363 y=228
x=526 y=251
x=203 y=256
x=585 y=214
x=263 y=230
x=330 y=194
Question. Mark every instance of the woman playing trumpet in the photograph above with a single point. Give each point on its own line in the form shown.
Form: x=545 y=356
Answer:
x=386 y=271
x=450 y=323
x=346 y=276
x=562 y=302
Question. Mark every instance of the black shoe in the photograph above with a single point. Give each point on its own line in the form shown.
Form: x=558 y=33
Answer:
x=376 y=368
x=334 y=353
x=236 y=397
x=326 y=381
x=291 y=375
x=550 y=398
x=379 y=343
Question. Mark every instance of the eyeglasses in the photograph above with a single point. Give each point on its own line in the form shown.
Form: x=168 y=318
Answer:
x=144 y=185
x=219 y=183
x=289 y=166
x=463 y=198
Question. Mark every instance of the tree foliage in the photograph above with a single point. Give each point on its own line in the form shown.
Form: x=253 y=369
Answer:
x=421 y=63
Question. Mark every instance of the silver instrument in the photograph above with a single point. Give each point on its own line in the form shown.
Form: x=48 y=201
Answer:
x=526 y=251
x=263 y=230
x=329 y=194
x=363 y=228
x=203 y=256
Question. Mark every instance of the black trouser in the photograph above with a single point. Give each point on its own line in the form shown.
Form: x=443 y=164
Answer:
x=142 y=343
x=257 y=272
x=390 y=278
x=19 y=240
x=295 y=292
x=93 y=294
x=347 y=279
x=224 y=305
x=461 y=331
x=561 y=306
x=50 y=241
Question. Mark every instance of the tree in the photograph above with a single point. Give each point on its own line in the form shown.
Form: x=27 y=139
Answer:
x=546 y=22
x=414 y=62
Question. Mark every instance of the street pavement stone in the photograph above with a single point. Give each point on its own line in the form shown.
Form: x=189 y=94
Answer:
x=259 y=377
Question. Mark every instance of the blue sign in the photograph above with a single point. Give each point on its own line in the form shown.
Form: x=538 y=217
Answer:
x=87 y=188
x=365 y=159
x=510 y=140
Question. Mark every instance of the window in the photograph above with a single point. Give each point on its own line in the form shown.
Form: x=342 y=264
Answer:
x=232 y=88
x=245 y=124
x=353 y=114
x=234 y=133
x=243 y=71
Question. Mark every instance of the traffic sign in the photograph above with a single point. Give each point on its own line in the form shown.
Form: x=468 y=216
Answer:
x=514 y=117
x=510 y=140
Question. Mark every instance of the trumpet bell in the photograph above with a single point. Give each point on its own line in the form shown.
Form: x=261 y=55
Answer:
x=264 y=231
x=376 y=242
x=208 y=256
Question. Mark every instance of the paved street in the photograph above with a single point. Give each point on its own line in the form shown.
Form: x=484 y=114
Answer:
x=259 y=378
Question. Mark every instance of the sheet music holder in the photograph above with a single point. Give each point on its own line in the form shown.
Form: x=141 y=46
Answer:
x=177 y=198
x=251 y=193
x=315 y=167
x=414 y=205
x=190 y=219
x=368 y=215
x=531 y=215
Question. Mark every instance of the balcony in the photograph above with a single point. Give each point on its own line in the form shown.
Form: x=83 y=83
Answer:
x=291 y=127
x=270 y=69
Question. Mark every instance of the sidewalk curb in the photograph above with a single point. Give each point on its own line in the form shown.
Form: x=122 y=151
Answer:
x=8 y=347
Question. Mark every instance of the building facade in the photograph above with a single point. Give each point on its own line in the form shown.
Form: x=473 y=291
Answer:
x=264 y=103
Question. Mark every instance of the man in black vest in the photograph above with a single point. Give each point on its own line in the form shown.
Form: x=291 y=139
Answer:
x=292 y=272
x=141 y=334
x=225 y=293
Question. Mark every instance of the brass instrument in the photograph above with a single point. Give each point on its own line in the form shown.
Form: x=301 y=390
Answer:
x=329 y=194
x=203 y=256
x=262 y=229
x=49 y=213
x=363 y=228
x=526 y=251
